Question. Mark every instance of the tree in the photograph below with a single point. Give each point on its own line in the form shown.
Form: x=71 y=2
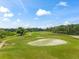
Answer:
x=72 y=29
x=20 y=31
x=2 y=34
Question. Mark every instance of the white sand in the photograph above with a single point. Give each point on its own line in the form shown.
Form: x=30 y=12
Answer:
x=2 y=44
x=47 y=42
x=75 y=36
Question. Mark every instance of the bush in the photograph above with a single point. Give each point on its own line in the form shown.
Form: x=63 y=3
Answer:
x=2 y=34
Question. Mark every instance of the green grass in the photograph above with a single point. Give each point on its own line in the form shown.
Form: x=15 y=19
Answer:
x=21 y=50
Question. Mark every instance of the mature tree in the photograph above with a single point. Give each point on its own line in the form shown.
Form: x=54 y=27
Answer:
x=20 y=31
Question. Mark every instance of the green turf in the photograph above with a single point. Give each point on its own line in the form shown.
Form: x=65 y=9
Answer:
x=21 y=50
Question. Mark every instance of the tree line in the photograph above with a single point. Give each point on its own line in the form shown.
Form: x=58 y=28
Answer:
x=72 y=29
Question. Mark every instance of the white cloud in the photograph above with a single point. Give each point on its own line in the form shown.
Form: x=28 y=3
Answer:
x=18 y=20
x=6 y=19
x=0 y=22
x=6 y=12
x=4 y=9
x=19 y=24
x=8 y=15
x=73 y=19
x=42 y=12
x=66 y=22
x=26 y=26
x=62 y=3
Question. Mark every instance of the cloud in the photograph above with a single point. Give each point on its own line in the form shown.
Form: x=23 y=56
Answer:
x=66 y=22
x=6 y=19
x=2 y=20
x=8 y=15
x=71 y=20
x=42 y=12
x=18 y=20
x=3 y=9
x=19 y=23
x=26 y=25
x=6 y=12
x=62 y=3
x=22 y=4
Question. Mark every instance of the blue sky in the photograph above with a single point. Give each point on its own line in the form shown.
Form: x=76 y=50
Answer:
x=38 y=13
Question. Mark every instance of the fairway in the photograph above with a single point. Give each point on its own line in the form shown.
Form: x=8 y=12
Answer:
x=16 y=47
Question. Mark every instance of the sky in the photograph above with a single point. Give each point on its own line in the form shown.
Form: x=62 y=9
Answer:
x=38 y=13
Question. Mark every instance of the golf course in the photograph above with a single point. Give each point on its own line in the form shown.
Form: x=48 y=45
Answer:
x=39 y=29
x=17 y=47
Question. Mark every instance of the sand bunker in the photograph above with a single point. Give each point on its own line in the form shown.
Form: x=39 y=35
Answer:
x=75 y=36
x=47 y=42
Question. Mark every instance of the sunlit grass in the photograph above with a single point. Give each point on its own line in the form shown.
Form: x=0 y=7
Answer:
x=21 y=50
